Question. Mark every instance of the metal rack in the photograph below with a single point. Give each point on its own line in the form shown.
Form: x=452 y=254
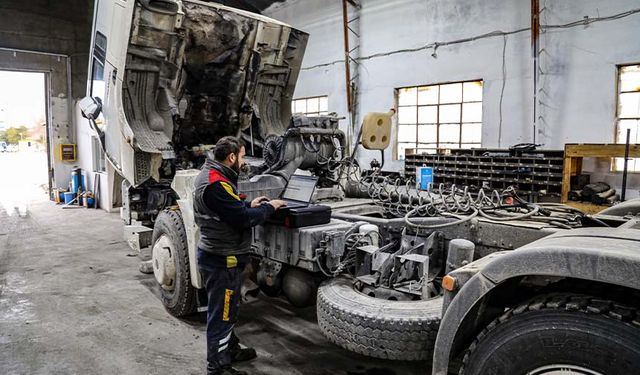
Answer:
x=533 y=173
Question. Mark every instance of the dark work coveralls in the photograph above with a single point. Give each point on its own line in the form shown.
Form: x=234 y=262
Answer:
x=225 y=222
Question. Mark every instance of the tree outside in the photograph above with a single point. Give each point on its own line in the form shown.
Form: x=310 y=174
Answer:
x=22 y=107
x=14 y=135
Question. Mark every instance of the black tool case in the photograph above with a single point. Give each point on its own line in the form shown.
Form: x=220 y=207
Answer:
x=302 y=216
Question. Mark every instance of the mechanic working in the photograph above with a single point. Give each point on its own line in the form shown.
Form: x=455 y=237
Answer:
x=225 y=222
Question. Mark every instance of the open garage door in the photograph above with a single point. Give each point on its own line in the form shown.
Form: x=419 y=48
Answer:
x=24 y=161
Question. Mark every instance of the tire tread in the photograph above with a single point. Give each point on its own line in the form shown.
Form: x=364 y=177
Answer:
x=187 y=301
x=407 y=336
x=557 y=301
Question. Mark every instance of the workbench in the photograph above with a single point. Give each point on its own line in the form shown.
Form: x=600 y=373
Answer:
x=574 y=153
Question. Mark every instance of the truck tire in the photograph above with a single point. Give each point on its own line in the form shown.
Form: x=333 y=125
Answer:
x=398 y=330
x=561 y=331
x=181 y=300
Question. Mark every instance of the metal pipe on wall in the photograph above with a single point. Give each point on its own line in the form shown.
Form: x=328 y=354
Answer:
x=351 y=29
x=72 y=135
x=535 y=53
x=33 y=52
x=625 y=171
x=347 y=67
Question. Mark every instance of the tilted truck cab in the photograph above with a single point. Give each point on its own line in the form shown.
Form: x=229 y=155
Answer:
x=174 y=76
x=168 y=79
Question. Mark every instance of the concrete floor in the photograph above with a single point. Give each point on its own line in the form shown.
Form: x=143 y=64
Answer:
x=73 y=302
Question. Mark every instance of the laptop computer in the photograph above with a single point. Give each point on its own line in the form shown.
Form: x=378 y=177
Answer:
x=299 y=191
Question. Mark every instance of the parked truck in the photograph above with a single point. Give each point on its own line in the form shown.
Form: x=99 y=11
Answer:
x=480 y=281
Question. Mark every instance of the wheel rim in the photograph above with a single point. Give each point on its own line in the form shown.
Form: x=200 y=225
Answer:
x=561 y=369
x=164 y=267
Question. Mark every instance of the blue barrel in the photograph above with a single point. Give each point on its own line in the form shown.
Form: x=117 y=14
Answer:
x=68 y=197
x=77 y=180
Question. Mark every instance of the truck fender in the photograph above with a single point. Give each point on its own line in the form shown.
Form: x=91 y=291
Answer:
x=630 y=207
x=605 y=255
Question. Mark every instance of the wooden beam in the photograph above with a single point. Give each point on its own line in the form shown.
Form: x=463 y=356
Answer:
x=566 y=180
x=592 y=150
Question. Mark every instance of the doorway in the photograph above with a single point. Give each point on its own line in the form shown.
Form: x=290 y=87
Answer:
x=24 y=160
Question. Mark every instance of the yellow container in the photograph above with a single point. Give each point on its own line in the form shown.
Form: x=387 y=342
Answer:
x=58 y=195
x=376 y=130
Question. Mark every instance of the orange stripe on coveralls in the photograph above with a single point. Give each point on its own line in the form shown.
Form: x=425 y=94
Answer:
x=228 y=293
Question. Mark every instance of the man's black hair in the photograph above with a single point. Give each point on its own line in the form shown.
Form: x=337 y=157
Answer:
x=227 y=145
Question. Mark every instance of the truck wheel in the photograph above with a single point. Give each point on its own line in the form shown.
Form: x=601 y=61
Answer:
x=399 y=330
x=170 y=260
x=558 y=334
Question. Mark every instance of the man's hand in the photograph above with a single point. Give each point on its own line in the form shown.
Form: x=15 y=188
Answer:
x=258 y=201
x=277 y=203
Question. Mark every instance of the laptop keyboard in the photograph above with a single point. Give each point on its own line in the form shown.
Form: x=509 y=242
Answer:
x=291 y=204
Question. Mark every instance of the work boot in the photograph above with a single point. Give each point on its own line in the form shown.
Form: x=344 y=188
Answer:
x=227 y=370
x=240 y=354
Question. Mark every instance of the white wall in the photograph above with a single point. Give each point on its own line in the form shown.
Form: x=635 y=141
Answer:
x=85 y=161
x=577 y=97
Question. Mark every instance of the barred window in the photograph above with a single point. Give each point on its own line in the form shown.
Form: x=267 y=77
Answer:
x=628 y=112
x=312 y=106
x=442 y=116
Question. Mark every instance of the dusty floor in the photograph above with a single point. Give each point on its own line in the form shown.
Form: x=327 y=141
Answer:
x=73 y=302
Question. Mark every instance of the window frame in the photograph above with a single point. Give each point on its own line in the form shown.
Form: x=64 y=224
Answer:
x=635 y=168
x=99 y=161
x=314 y=113
x=99 y=56
x=438 y=124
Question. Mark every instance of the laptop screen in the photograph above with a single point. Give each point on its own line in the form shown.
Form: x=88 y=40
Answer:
x=300 y=188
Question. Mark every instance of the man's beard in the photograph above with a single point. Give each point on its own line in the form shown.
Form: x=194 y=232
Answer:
x=236 y=166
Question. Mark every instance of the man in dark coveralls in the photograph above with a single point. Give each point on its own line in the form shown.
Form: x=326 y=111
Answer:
x=225 y=222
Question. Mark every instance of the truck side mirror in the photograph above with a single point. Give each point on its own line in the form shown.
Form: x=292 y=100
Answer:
x=90 y=107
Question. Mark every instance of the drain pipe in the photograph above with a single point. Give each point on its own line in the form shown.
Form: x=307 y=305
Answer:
x=70 y=103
